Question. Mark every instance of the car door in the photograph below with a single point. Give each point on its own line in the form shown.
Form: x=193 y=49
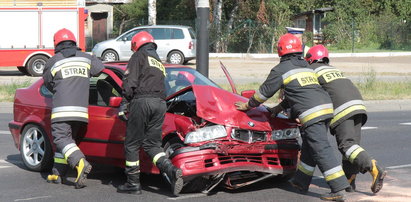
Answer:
x=105 y=132
x=125 y=44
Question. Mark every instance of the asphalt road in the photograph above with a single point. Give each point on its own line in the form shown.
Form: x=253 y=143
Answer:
x=386 y=136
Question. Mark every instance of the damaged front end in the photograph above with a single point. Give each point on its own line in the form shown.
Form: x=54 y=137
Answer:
x=218 y=144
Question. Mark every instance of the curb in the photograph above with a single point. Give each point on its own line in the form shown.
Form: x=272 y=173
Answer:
x=334 y=55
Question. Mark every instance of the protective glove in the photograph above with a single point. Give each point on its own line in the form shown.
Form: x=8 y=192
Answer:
x=242 y=106
x=275 y=110
x=123 y=111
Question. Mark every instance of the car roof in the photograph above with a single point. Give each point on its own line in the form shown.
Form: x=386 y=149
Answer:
x=161 y=26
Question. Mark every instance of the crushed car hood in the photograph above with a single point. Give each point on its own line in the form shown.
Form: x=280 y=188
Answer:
x=217 y=105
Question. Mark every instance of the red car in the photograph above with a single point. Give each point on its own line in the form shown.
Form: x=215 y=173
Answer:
x=203 y=133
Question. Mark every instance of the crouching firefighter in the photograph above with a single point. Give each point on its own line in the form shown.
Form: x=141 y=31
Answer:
x=312 y=106
x=349 y=115
x=144 y=90
x=66 y=75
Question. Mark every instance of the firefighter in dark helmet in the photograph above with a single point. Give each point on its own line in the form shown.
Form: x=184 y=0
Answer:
x=312 y=106
x=349 y=115
x=144 y=90
x=66 y=75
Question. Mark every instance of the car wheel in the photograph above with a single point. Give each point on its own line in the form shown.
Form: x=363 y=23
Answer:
x=175 y=57
x=36 y=64
x=109 y=56
x=35 y=148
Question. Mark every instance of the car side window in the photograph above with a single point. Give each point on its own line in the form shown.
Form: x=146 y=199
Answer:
x=128 y=36
x=101 y=89
x=161 y=33
x=177 y=34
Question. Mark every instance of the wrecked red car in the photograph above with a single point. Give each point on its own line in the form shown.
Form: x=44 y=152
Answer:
x=203 y=133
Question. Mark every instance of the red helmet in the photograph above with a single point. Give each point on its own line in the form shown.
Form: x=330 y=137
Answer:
x=288 y=43
x=63 y=35
x=140 y=39
x=183 y=75
x=318 y=52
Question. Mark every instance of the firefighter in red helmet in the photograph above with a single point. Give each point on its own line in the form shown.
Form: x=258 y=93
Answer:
x=349 y=115
x=312 y=106
x=144 y=90
x=66 y=75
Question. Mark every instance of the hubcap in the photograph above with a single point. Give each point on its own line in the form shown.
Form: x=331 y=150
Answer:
x=175 y=59
x=38 y=66
x=109 y=57
x=33 y=146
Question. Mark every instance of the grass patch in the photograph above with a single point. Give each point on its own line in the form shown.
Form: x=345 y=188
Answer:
x=7 y=90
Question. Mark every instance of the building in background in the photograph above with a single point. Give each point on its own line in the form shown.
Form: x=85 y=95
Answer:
x=311 y=22
x=99 y=23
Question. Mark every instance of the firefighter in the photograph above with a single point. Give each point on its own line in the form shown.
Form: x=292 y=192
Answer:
x=66 y=75
x=349 y=115
x=144 y=90
x=313 y=108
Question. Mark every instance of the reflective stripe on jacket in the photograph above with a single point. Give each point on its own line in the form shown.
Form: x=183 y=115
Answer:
x=68 y=80
x=346 y=98
x=302 y=92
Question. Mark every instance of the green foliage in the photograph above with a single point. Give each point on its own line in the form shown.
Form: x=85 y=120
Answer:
x=7 y=91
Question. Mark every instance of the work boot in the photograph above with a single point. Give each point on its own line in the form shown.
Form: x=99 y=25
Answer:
x=172 y=174
x=378 y=175
x=83 y=169
x=58 y=174
x=298 y=186
x=132 y=186
x=352 y=186
x=333 y=196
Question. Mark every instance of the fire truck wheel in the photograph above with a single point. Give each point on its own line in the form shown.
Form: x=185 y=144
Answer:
x=36 y=64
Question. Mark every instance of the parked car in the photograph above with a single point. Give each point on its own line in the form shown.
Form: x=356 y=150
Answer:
x=203 y=133
x=175 y=44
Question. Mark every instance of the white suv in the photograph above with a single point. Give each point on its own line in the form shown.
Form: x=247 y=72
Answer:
x=175 y=44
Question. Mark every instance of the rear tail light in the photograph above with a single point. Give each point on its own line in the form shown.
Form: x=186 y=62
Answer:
x=190 y=45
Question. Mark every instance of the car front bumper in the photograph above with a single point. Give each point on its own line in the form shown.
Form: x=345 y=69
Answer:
x=213 y=158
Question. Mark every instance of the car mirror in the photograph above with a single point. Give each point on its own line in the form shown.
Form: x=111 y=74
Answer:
x=124 y=38
x=115 y=101
x=247 y=93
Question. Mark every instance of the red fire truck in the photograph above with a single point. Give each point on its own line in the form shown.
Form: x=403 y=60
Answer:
x=27 y=29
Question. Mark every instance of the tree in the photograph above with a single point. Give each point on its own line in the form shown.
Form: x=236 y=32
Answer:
x=128 y=15
x=152 y=12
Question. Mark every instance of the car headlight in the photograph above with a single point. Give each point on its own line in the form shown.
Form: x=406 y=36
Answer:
x=289 y=133
x=205 y=134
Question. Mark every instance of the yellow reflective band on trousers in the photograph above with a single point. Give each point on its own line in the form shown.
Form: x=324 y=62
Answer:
x=333 y=173
x=352 y=153
x=306 y=169
x=158 y=156
x=343 y=113
x=132 y=163
x=60 y=160
x=70 y=151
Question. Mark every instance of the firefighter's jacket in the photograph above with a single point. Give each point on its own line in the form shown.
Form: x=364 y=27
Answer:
x=68 y=79
x=145 y=74
x=346 y=98
x=302 y=92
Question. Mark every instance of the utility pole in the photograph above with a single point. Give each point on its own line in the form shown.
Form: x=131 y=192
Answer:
x=152 y=12
x=203 y=10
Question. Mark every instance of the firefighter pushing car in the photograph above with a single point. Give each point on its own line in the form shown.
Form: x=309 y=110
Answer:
x=66 y=75
x=312 y=106
x=144 y=90
x=349 y=115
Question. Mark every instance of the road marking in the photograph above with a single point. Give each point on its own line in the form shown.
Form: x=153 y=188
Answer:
x=4 y=167
x=368 y=128
x=405 y=124
x=5 y=132
x=33 y=198
x=187 y=196
x=400 y=166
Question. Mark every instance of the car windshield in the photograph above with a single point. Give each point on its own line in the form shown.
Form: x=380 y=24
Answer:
x=179 y=78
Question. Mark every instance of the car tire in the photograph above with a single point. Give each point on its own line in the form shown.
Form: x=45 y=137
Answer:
x=109 y=56
x=23 y=70
x=36 y=64
x=35 y=148
x=175 y=57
